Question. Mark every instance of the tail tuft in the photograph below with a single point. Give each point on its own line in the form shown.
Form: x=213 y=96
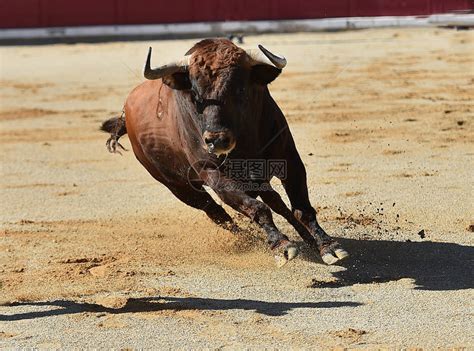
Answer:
x=116 y=127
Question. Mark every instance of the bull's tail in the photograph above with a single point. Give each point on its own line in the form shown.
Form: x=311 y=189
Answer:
x=116 y=127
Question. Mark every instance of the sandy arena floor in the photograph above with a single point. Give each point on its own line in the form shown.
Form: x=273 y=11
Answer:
x=95 y=253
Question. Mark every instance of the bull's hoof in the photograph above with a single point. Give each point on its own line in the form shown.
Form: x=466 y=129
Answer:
x=290 y=251
x=341 y=253
x=332 y=253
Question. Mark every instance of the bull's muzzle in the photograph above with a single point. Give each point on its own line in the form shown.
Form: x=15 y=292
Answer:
x=219 y=143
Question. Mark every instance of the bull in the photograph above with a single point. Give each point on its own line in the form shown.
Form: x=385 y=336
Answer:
x=206 y=110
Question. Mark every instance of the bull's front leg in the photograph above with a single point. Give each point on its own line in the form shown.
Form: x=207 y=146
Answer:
x=329 y=249
x=231 y=193
x=297 y=190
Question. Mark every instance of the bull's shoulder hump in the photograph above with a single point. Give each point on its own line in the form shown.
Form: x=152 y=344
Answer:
x=146 y=93
x=147 y=87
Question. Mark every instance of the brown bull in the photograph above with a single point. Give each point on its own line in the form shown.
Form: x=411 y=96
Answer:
x=199 y=120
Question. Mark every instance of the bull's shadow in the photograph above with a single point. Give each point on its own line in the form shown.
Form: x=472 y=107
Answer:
x=163 y=303
x=433 y=265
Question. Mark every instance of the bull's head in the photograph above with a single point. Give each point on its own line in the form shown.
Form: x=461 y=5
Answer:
x=225 y=84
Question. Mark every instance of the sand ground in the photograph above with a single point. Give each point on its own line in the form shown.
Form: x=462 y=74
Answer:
x=95 y=253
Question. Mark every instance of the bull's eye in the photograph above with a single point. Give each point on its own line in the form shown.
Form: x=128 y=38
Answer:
x=198 y=102
x=200 y=105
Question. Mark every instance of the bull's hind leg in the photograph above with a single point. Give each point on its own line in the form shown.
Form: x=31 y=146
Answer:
x=198 y=198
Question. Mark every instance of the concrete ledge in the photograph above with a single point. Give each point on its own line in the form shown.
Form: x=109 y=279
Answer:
x=130 y=32
x=452 y=20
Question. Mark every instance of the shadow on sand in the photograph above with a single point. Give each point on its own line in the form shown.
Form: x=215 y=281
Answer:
x=151 y=304
x=433 y=265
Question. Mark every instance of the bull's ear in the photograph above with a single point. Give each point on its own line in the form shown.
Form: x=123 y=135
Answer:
x=178 y=81
x=264 y=74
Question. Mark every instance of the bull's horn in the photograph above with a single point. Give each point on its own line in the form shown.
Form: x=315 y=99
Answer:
x=159 y=72
x=265 y=57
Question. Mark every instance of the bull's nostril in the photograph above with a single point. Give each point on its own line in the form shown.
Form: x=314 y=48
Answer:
x=217 y=141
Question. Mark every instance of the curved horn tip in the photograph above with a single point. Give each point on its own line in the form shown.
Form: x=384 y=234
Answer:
x=159 y=72
x=276 y=60
x=147 y=71
x=149 y=54
x=261 y=47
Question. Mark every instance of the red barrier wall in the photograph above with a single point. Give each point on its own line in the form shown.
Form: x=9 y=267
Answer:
x=54 y=13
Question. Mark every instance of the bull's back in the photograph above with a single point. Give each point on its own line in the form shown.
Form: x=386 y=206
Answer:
x=150 y=127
